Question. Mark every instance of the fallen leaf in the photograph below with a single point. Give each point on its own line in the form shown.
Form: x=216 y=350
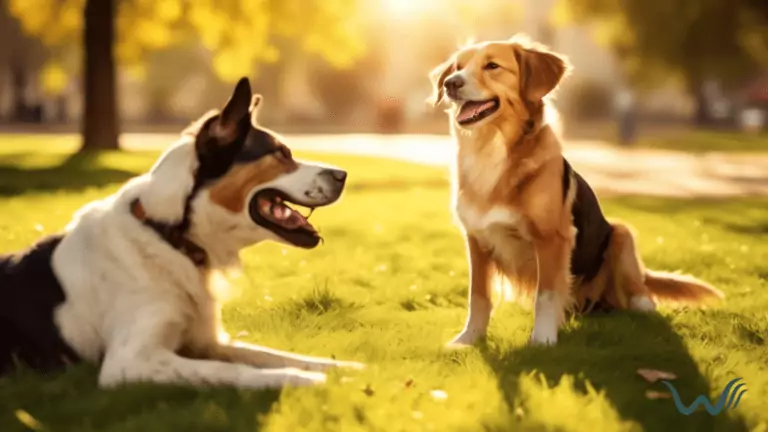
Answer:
x=368 y=390
x=409 y=382
x=653 y=375
x=650 y=394
x=438 y=395
x=27 y=420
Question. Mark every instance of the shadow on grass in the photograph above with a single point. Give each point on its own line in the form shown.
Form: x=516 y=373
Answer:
x=728 y=214
x=73 y=402
x=606 y=351
x=78 y=171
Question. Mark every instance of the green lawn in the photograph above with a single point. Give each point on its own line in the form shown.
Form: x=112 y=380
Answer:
x=705 y=141
x=388 y=288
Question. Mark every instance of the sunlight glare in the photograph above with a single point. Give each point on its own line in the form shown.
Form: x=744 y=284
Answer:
x=404 y=8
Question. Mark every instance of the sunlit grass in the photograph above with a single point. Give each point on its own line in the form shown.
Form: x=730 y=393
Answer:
x=707 y=141
x=388 y=288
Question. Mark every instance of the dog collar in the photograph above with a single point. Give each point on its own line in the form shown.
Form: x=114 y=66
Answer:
x=172 y=234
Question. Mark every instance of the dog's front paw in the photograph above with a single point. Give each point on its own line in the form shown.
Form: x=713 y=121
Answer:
x=300 y=378
x=464 y=340
x=543 y=338
x=349 y=365
x=322 y=366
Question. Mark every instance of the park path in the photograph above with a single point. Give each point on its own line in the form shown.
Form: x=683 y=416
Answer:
x=611 y=170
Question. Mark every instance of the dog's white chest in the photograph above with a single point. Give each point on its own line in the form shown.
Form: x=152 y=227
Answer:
x=479 y=222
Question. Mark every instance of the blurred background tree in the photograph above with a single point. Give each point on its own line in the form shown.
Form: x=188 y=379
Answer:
x=691 y=41
x=242 y=34
x=21 y=56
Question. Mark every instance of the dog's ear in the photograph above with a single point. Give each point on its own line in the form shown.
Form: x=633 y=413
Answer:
x=237 y=108
x=438 y=76
x=254 y=109
x=540 y=70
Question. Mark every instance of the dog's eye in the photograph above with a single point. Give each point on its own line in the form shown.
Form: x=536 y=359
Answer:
x=491 y=66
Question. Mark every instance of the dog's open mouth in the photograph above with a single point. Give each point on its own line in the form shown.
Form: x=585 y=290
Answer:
x=270 y=209
x=474 y=111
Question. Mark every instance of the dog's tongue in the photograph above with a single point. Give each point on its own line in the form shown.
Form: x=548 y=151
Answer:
x=472 y=108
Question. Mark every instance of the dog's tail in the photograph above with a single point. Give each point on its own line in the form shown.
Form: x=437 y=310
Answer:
x=677 y=288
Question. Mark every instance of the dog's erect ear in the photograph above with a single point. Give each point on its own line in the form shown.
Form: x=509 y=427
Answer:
x=254 y=109
x=541 y=70
x=438 y=76
x=234 y=111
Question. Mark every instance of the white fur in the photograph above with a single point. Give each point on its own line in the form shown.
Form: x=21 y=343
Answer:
x=171 y=179
x=547 y=319
x=305 y=185
x=478 y=222
x=134 y=301
x=642 y=303
x=480 y=310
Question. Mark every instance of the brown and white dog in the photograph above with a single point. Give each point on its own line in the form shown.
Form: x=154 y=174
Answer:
x=524 y=210
x=128 y=284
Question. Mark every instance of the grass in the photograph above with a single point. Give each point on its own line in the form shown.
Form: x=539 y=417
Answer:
x=702 y=141
x=389 y=288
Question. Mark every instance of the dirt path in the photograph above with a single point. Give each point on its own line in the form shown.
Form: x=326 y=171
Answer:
x=609 y=169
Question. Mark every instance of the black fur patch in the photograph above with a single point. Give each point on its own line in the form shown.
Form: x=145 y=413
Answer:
x=29 y=294
x=594 y=231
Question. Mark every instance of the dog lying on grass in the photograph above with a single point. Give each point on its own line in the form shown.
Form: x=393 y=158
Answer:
x=128 y=284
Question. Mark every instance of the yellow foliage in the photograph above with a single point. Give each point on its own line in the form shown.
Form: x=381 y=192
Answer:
x=239 y=32
x=561 y=14
x=53 y=78
x=53 y=21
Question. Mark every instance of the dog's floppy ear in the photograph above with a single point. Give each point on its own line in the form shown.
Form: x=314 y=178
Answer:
x=541 y=70
x=237 y=108
x=438 y=76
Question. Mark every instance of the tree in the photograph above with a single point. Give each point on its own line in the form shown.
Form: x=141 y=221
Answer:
x=690 y=40
x=20 y=58
x=241 y=33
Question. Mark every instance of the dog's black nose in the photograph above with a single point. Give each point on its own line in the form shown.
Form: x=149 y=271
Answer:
x=339 y=175
x=453 y=84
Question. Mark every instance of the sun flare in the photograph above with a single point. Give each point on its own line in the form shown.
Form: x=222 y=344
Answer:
x=405 y=8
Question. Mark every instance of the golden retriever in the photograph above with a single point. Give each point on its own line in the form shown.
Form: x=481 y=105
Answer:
x=524 y=210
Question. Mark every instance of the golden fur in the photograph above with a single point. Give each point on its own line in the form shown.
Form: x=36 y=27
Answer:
x=508 y=196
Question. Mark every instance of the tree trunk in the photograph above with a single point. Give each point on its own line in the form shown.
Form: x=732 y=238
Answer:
x=100 y=122
x=701 y=115
x=695 y=84
x=19 y=112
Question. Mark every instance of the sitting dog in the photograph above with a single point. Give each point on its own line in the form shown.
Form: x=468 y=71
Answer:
x=524 y=210
x=128 y=283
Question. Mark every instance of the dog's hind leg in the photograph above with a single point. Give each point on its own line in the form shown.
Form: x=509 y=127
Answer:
x=627 y=270
x=253 y=355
